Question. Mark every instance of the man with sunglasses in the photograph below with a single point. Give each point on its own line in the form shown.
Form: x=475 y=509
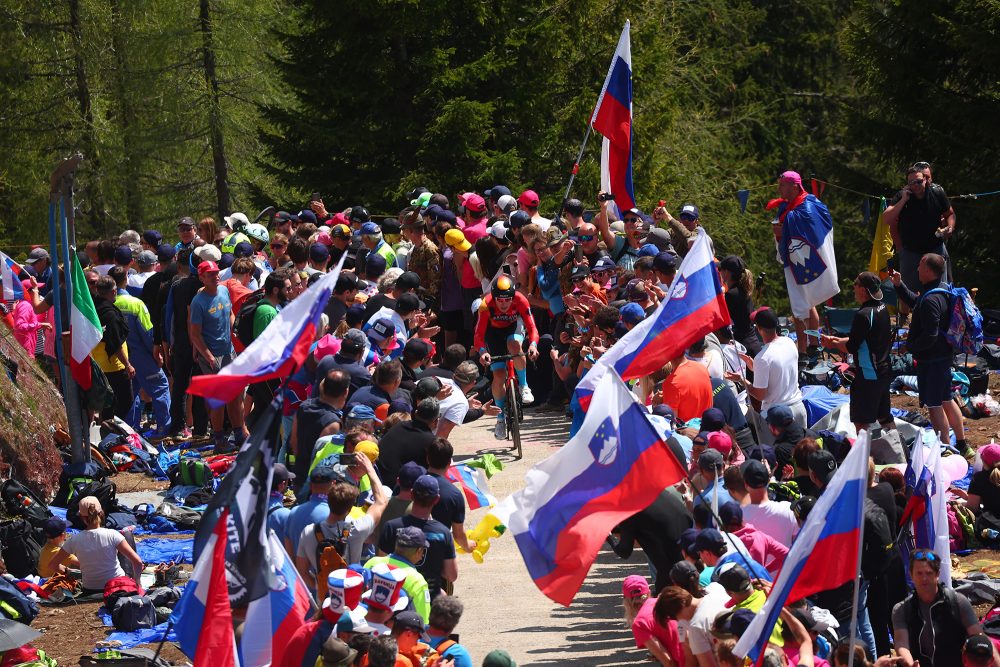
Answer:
x=496 y=334
x=586 y=235
x=624 y=249
x=931 y=625
x=920 y=219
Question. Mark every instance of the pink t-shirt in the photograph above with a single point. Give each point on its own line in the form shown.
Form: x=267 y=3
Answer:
x=645 y=626
x=792 y=653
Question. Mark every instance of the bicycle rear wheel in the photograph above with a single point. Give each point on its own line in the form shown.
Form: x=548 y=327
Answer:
x=513 y=416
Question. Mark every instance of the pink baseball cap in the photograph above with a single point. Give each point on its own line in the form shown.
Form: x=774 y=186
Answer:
x=720 y=442
x=324 y=238
x=634 y=586
x=528 y=198
x=990 y=454
x=792 y=177
x=472 y=201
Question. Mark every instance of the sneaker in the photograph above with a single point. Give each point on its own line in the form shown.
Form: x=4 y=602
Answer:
x=527 y=398
x=500 y=430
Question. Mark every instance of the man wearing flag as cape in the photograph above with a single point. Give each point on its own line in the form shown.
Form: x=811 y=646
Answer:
x=803 y=231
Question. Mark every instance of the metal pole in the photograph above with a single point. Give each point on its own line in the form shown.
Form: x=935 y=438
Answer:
x=62 y=188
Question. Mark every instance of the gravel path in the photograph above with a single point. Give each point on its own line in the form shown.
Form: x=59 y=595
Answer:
x=504 y=609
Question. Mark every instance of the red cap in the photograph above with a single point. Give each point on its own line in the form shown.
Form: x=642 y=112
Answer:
x=473 y=202
x=207 y=267
x=528 y=198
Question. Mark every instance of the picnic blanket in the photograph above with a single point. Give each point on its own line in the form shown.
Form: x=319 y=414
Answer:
x=163 y=550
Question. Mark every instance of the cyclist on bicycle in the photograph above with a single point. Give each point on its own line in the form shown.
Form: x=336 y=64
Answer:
x=496 y=334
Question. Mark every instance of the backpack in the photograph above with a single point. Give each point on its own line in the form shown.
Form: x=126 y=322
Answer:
x=192 y=472
x=19 y=500
x=106 y=494
x=15 y=605
x=835 y=443
x=878 y=541
x=965 y=327
x=133 y=612
x=243 y=324
x=182 y=517
x=74 y=475
x=117 y=587
x=22 y=545
x=330 y=555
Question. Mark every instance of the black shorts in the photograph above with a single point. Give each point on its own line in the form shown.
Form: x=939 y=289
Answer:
x=934 y=382
x=870 y=401
x=496 y=339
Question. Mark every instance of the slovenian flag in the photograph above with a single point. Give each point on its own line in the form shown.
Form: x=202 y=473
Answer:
x=806 y=251
x=9 y=269
x=281 y=348
x=614 y=467
x=472 y=483
x=695 y=305
x=927 y=508
x=612 y=117
x=271 y=620
x=824 y=554
x=85 y=329
x=203 y=618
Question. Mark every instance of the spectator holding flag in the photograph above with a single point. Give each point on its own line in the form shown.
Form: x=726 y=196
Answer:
x=803 y=232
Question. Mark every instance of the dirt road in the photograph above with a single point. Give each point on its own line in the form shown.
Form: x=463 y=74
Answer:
x=504 y=609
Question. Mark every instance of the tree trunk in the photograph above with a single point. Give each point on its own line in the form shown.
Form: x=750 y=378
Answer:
x=214 y=113
x=127 y=120
x=92 y=190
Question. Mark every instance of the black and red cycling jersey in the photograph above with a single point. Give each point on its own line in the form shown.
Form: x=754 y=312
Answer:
x=490 y=316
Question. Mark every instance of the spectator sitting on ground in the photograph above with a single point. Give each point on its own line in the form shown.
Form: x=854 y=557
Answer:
x=97 y=550
x=55 y=534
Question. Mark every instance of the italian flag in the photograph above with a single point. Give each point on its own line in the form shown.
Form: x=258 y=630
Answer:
x=85 y=328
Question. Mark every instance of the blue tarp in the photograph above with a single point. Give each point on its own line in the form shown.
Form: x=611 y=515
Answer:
x=160 y=550
x=820 y=402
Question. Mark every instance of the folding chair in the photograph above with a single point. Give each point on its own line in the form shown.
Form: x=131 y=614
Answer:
x=838 y=320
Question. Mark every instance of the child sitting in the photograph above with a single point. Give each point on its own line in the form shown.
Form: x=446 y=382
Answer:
x=55 y=531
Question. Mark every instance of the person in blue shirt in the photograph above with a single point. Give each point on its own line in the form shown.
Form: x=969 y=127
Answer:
x=446 y=610
x=277 y=513
x=313 y=510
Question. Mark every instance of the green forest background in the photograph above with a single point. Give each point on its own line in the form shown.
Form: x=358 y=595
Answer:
x=202 y=107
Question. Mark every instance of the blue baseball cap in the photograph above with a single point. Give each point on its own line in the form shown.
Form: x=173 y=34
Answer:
x=632 y=313
x=243 y=249
x=689 y=211
x=370 y=228
x=426 y=486
x=362 y=412
x=649 y=250
x=410 y=473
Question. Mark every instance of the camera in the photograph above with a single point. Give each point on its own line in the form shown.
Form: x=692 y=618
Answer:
x=606 y=197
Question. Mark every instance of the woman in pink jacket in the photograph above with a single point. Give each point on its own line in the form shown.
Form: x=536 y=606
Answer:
x=26 y=321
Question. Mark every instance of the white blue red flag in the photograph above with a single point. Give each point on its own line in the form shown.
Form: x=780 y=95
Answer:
x=271 y=620
x=806 y=251
x=824 y=554
x=927 y=510
x=9 y=269
x=614 y=467
x=473 y=485
x=277 y=352
x=612 y=117
x=203 y=619
x=694 y=306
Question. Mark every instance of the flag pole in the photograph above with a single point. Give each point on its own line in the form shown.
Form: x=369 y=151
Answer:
x=575 y=170
x=857 y=579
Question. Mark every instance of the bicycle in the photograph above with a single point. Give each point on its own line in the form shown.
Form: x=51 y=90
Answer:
x=513 y=410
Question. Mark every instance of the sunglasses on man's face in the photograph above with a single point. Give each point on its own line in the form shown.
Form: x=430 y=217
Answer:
x=277 y=246
x=584 y=238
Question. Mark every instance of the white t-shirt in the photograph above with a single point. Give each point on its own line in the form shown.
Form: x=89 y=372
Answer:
x=97 y=551
x=712 y=361
x=731 y=362
x=456 y=405
x=698 y=631
x=774 y=518
x=776 y=368
x=358 y=531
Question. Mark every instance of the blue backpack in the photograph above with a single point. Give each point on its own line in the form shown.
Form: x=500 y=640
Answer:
x=965 y=327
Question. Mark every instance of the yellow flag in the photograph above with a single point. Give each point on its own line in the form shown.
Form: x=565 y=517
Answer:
x=882 y=248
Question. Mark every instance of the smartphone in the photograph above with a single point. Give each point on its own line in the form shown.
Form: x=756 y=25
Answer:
x=890 y=264
x=347 y=459
x=315 y=197
x=578 y=252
